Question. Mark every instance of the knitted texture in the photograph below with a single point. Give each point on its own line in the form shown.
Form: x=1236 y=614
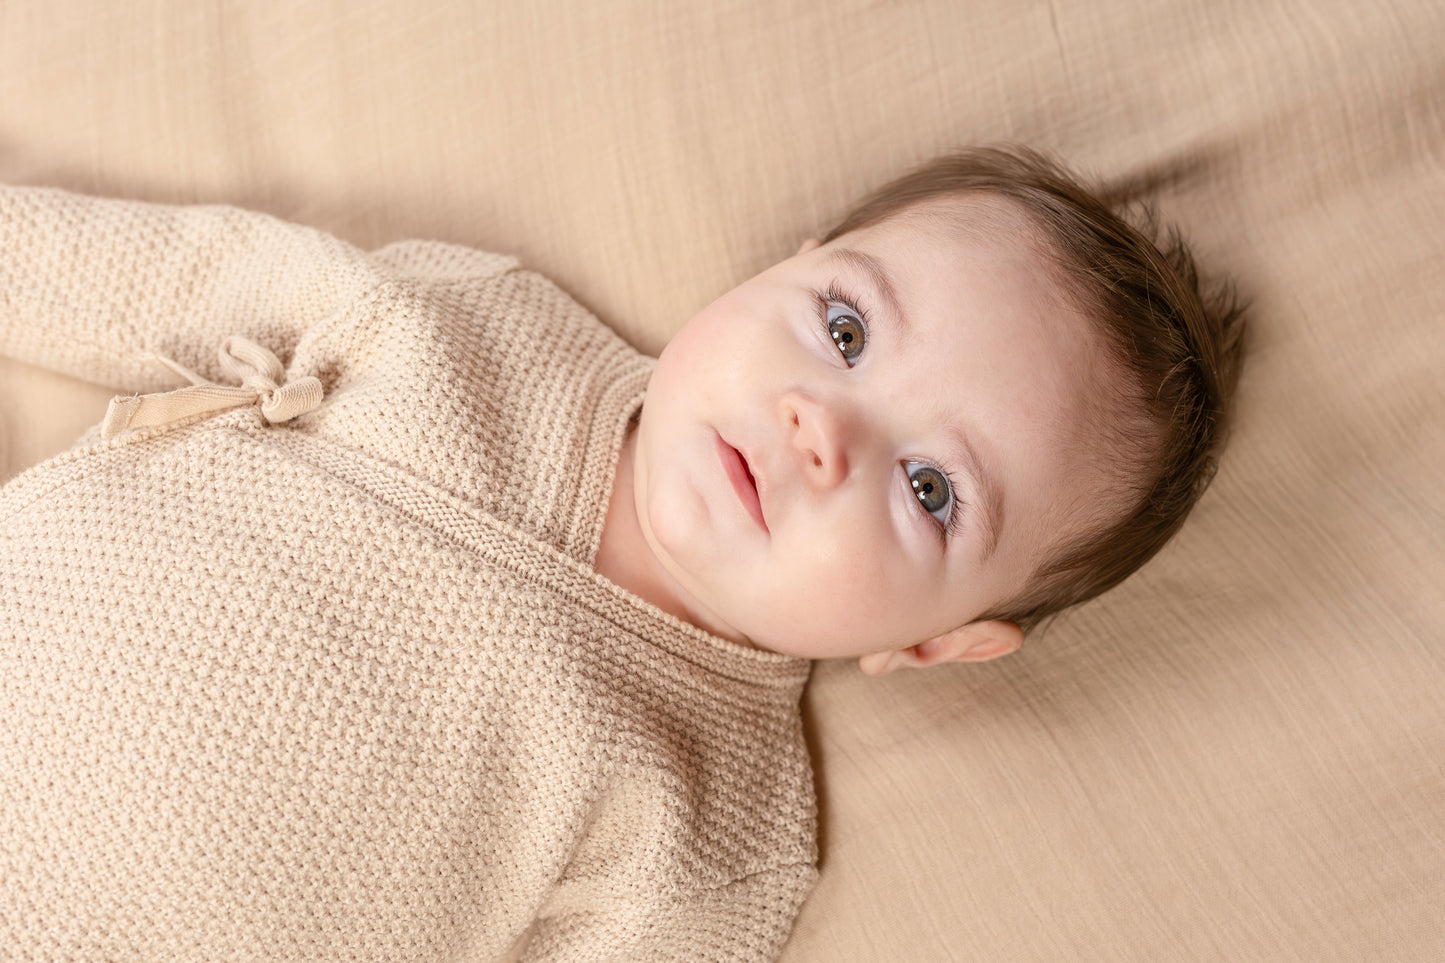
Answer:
x=346 y=687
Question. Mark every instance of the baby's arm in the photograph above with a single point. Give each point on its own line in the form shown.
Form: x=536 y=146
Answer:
x=98 y=288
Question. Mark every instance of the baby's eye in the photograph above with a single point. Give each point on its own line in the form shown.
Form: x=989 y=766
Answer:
x=931 y=487
x=847 y=331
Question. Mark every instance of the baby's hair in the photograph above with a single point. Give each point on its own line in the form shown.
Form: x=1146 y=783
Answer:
x=1180 y=344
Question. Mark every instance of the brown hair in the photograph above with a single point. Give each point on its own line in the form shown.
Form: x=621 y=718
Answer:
x=1180 y=343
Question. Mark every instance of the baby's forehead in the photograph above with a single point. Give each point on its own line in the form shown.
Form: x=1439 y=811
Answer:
x=976 y=216
x=1015 y=239
x=1084 y=417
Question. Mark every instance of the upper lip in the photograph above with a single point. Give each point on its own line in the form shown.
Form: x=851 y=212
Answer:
x=748 y=467
x=751 y=479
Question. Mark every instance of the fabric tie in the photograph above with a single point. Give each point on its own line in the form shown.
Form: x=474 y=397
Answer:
x=257 y=369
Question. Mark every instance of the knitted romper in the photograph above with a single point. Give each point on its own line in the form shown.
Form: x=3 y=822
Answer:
x=302 y=655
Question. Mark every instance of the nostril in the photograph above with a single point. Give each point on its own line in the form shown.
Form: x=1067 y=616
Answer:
x=817 y=462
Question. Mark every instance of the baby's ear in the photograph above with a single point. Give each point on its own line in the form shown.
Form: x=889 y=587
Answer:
x=974 y=642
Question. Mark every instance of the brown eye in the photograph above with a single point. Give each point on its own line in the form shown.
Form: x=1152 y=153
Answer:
x=847 y=332
x=931 y=487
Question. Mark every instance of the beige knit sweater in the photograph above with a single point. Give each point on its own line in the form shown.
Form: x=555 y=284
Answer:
x=304 y=669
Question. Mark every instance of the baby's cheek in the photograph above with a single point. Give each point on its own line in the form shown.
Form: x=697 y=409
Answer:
x=680 y=523
x=852 y=589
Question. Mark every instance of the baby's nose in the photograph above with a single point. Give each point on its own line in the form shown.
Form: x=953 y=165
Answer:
x=818 y=437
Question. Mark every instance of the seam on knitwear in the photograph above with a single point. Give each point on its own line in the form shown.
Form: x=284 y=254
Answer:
x=807 y=871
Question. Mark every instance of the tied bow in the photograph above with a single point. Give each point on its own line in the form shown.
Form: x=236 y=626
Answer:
x=256 y=368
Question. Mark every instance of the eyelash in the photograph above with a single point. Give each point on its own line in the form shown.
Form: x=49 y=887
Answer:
x=836 y=294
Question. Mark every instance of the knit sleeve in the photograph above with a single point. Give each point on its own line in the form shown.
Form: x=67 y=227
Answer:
x=98 y=288
x=745 y=921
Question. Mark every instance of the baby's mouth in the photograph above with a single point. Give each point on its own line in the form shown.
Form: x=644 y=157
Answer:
x=740 y=474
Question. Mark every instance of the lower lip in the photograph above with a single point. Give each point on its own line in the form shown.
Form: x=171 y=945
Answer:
x=734 y=467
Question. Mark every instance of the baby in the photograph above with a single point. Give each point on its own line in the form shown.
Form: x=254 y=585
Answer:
x=470 y=631
x=981 y=400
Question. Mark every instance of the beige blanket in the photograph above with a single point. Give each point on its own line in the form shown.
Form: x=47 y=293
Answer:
x=1235 y=756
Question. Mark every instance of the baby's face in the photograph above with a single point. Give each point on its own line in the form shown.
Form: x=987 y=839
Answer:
x=873 y=442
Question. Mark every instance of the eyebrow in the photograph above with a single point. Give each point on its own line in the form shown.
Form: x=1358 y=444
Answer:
x=882 y=283
x=990 y=492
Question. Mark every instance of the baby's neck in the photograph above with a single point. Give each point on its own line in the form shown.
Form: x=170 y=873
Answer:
x=623 y=555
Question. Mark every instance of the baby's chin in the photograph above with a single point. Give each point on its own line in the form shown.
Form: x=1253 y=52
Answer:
x=754 y=640
x=777 y=632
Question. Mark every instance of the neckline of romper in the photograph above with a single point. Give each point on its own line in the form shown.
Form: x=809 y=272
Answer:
x=607 y=432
